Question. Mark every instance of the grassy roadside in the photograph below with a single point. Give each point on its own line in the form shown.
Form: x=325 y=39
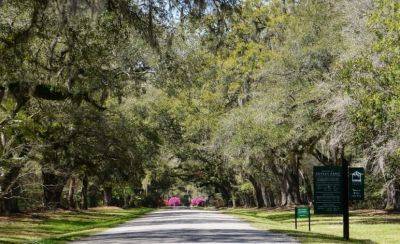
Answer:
x=367 y=226
x=61 y=226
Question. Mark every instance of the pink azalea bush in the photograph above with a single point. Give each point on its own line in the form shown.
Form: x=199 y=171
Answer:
x=174 y=201
x=198 y=201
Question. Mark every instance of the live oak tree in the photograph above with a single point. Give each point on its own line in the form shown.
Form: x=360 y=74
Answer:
x=372 y=81
x=67 y=52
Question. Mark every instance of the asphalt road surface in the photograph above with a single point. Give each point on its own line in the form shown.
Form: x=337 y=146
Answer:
x=186 y=226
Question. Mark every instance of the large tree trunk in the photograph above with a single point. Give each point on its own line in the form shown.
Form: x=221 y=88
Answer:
x=290 y=182
x=233 y=200
x=53 y=185
x=308 y=193
x=294 y=179
x=285 y=196
x=85 y=183
x=284 y=175
x=107 y=195
x=264 y=196
x=10 y=191
x=392 y=196
x=268 y=197
x=258 y=196
x=94 y=196
x=71 y=193
x=248 y=201
x=271 y=199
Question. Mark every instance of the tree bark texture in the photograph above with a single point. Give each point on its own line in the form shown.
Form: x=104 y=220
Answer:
x=9 y=192
x=107 y=195
x=258 y=195
x=392 y=196
x=85 y=200
x=53 y=185
x=71 y=193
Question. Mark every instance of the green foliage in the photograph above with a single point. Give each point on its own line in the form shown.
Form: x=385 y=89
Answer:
x=371 y=81
x=236 y=100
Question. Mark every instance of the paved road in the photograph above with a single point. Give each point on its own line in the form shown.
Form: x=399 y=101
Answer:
x=186 y=226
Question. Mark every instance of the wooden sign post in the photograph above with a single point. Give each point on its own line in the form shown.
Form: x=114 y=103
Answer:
x=345 y=197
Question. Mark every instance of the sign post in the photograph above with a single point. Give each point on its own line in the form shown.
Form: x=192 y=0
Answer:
x=345 y=196
x=334 y=187
x=302 y=212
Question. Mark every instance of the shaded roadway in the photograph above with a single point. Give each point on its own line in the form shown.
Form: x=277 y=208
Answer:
x=186 y=226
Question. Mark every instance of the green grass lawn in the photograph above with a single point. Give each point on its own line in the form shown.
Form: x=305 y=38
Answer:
x=366 y=226
x=61 y=226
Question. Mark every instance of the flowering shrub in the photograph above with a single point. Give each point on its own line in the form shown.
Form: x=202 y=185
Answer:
x=174 y=201
x=198 y=201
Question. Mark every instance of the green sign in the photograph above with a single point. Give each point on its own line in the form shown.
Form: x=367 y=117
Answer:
x=356 y=183
x=302 y=212
x=328 y=185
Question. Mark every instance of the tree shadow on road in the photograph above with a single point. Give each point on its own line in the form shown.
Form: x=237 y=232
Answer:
x=191 y=236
